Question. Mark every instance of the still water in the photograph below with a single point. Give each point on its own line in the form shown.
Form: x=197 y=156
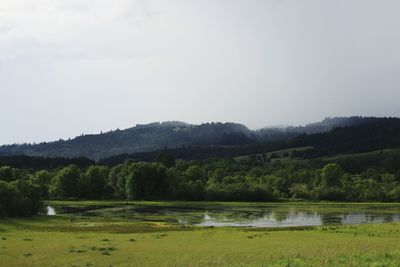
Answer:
x=239 y=215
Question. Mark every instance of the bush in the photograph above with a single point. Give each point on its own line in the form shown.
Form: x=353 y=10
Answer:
x=300 y=191
x=330 y=193
x=19 y=198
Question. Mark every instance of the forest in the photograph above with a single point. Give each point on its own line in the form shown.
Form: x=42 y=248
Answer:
x=374 y=177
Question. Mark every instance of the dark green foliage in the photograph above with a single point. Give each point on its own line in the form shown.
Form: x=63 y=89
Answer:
x=43 y=163
x=239 y=191
x=67 y=183
x=8 y=196
x=30 y=196
x=211 y=179
x=150 y=137
x=146 y=181
x=117 y=180
x=143 y=142
x=331 y=175
x=300 y=191
x=43 y=180
x=329 y=137
x=19 y=198
x=9 y=174
x=95 y=183
x=166 y=159
x=371 y=134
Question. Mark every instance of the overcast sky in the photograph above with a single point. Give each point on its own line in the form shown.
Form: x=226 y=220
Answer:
x=69 y=67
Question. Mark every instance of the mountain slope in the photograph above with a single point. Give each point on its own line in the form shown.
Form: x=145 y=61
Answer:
x=327 y=124
x=376 y=134
x=218 y=136
x=140 y=138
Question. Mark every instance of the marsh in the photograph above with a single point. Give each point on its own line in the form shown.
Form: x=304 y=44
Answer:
x=219 y=214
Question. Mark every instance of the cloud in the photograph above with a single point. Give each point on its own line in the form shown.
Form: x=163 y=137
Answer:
x=81 y=29
x=111 y=64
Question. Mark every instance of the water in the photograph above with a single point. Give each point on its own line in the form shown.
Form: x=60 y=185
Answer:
x=242 y=215
x=50 y=211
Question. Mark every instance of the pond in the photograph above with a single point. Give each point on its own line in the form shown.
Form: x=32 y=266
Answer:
x=237 y=215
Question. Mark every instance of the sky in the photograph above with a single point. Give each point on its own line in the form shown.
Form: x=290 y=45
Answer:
x=69 y=67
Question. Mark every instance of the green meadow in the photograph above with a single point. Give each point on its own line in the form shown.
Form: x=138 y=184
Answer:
x=65 y=240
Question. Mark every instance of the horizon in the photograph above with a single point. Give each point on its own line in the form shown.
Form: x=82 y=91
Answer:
x=281 y=126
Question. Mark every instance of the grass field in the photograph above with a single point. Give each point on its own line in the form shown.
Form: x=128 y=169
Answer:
x=279 y=153
x=63 y=241
x=394 y=151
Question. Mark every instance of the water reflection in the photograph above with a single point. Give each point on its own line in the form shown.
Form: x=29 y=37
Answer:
x=50 y=211
x=268 y=220
x=272 y=215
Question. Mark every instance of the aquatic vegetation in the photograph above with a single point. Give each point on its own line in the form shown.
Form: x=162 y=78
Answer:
x=101 y=241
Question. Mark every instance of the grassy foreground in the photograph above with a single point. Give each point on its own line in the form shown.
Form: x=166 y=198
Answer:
x=59 y=241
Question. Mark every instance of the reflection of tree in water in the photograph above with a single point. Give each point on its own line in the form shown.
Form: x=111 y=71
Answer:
x=331 y=218
x=388 y=218
x=258 y=216
x=281 y=215
x=234 y=214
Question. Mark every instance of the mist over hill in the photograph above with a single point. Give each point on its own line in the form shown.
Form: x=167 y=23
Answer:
x=175 y=134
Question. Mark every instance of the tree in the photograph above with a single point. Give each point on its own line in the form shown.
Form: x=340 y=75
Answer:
x=67 y=182
x=30 y=197
x=147 y=180
x=8 y=197
x=19 y=198
x=117 y=180
x=42 y=179
x=331 y=175
x=194 y=173
x=166 y=159
x=9 y=174
x=96 y=182
x=299 y=191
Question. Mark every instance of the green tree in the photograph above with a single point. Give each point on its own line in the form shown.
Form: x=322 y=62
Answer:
x=117 y=180
x=9 y=174
x=42 y=179
x=67 y=182
x=147 y=180
x=194 y=173
x=29 y=197
x=331 y=175
x=8 y=198
x=166 y=159
x=96 y=182
x=19 y=198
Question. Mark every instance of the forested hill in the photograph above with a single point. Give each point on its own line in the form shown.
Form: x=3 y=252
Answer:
x=215 y=136
x=377 y=134
x=140 y=138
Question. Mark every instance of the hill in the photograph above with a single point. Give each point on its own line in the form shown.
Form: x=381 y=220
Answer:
x=141 y=138
x=330 y=136
x=365 y=135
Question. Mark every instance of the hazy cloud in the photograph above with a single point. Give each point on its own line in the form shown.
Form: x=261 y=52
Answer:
x=79 y=66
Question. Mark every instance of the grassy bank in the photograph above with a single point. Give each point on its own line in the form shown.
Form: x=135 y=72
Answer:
x=59 y=241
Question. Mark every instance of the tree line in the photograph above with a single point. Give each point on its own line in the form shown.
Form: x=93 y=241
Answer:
x=21 y=191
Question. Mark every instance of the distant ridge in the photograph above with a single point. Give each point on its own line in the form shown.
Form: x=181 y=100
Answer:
x=141 y=138
x=175 y=134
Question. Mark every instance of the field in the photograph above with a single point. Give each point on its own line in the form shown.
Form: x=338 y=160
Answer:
x=281 y=155
x=97 y=241
x=370 y=154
